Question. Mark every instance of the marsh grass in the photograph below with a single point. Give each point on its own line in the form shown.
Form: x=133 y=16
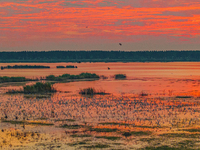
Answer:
x=183 y=96
x=186 y=143
x=181 y=135
x=38 y=88
x=27 y=122
x=92 y=91
x=69 y=120
x=113 y=138
x=120 y=76
x=80 y=135
x=103 y=129
x=125 y=124
x=75 y=126
x=77 y=143
x=136 y=133
x=192 y=130
x=164 y=147
x=97 y=146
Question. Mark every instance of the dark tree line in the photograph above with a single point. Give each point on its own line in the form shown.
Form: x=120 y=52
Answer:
x=99 y=56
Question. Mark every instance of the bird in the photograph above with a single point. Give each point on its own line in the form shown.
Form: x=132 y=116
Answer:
x=120 y=44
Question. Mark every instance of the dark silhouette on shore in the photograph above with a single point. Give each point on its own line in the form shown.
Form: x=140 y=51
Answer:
x=99 y=56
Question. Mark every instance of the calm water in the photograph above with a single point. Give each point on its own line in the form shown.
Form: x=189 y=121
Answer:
x=161 y=111
x=153 y=78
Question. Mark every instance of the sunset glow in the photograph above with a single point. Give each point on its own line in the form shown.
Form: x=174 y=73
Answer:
x=99 y=25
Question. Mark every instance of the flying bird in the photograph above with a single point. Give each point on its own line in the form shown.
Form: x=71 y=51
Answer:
x=120 y=44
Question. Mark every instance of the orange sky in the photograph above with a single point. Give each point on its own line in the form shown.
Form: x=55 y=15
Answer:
x=99 y=25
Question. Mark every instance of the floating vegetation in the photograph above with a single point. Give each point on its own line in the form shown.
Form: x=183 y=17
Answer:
x=27 y=122
x=108 y=137
x=120 y=76
x=75 y=126
x=39 y=87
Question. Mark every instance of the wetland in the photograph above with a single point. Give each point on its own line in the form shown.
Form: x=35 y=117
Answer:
x=153 y=106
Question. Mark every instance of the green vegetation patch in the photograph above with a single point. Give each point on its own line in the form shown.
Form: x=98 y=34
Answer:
x=77 y=143
x=69 y=120
x=5 y=79
x=120 y=76
x=28 y=123
x=183 y=96
x=80 y=135
x=113 y=138
x=24 y=67
x=39 y=87
x=91 y=91
x=125 y=124
x=183 y=135
x=192 y=130
x=103 y=129
x=97 y=146
x=164 y=147
x=75 y=126
x=136 y=133
x=65 y=77
x=186 y=143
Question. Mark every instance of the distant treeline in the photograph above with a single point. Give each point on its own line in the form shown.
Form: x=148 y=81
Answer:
x=99 y=56
x=23 y=67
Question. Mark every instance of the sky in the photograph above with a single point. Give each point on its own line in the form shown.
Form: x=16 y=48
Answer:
x=43 y=25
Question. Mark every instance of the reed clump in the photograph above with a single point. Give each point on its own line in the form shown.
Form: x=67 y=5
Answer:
x=91 y=91
x=65 y=77
x=120 y=76
x=39 y=87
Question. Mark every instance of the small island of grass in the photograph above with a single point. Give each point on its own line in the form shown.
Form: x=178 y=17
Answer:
x=69 y=66
x=120 y=76
x=66 y=77
x=24 y=67
x=91 y=91
x=15 y=79
x=38 y=88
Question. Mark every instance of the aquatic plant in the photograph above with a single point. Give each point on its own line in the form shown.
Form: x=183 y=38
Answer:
x=60 y=66
x=91 y=91
x=24 y=67
x=68 y=76
x=70 y=66
x=15 y=79
x=120 y=76
x=39 y=87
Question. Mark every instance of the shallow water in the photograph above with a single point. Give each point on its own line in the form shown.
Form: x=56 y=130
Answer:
x=170 y=105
